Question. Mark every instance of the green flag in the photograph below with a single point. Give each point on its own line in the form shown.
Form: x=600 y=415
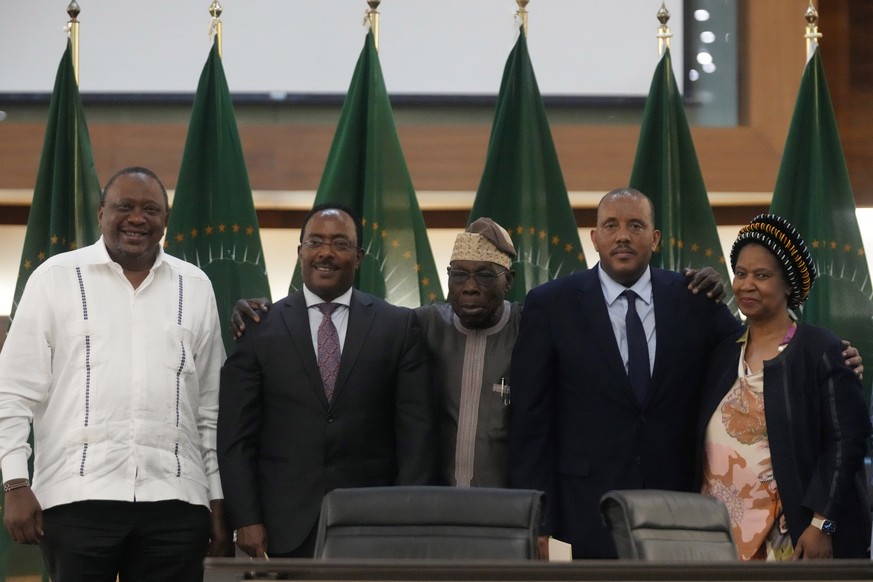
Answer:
x=213 y=222
x=522 y=187
x=667 y=171
x=813 y=192
x=63 y=216
x=366 y=171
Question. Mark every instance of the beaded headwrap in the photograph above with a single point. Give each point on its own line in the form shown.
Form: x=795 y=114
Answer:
x=780 y=238
x=484 y=240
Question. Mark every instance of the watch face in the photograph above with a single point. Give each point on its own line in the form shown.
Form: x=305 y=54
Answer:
x=828 y=527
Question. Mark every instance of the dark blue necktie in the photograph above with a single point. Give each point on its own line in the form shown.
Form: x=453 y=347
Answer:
x=637 y=349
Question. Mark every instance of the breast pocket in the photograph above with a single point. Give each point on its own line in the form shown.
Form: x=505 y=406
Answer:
x=87 y=344
x=178 y=352
x=496 y=399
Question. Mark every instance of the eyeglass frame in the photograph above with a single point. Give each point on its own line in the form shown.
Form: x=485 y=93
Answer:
x=490 y=276
x=345 y=246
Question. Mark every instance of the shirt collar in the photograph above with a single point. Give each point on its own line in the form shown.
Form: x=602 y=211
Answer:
x=501 y=323
x=612 y=289
x=313 y=299
x=102 y=255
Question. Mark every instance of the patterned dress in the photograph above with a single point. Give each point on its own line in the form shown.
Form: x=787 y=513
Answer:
x=738 y=468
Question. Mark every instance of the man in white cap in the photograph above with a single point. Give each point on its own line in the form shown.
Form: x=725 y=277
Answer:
x=470 y=341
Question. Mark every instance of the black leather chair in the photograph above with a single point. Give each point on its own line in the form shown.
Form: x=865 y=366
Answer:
x=668 y=525
x=429 y=523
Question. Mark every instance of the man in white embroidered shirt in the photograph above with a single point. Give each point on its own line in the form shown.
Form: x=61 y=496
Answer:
x=114 y=356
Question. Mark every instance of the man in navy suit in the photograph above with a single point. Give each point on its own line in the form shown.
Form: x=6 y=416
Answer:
x=291 y=427
x=578 y=428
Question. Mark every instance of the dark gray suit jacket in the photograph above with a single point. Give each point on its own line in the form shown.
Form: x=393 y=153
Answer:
x=281 y=446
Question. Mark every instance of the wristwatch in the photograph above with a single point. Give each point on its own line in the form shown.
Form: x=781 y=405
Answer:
x=825 y=525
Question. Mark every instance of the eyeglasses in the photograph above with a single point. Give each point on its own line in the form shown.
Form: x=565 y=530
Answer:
x=483 y=278
x=340 y=245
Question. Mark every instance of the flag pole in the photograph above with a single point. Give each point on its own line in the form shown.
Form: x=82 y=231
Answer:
x=215 y=11
x=73 y=30
x=373 y=19
x=522 y=13
x=664 y=33
x=812 y=34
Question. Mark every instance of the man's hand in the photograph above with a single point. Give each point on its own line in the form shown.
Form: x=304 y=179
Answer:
x=853 y=359
x=250 y=309
x=813 y=544
x=706 y=279
x=543 y=548
x=220 y=541
x=23 y=516
x=252 y=539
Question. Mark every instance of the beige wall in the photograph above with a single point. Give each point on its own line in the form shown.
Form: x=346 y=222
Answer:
x=280 y=251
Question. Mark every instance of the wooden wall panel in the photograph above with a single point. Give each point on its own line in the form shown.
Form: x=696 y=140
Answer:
x=290 y=155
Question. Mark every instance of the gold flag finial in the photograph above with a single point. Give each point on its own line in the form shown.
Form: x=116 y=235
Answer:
x=522 y=13
x=73 y=11
x=373 y=19
x=664 y=33
x=215 y=11
x=812 y=34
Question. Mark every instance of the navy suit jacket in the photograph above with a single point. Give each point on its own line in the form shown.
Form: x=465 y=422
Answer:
x=577 y=430
x=282 y=446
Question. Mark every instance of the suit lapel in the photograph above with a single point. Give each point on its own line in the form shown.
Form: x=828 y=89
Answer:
x=593 y=306
x=296 y=317
x=666 y=296
x=361 y=314
x=726 y=363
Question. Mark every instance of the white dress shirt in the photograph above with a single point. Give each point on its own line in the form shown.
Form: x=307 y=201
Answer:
x=617 y=306
x=340 y=315
x=121 y=384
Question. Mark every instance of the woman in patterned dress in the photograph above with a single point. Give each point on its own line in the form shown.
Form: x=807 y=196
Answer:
x=783 y=425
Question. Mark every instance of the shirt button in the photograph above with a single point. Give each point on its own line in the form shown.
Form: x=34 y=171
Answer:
x=639 y=460
x=329 y=419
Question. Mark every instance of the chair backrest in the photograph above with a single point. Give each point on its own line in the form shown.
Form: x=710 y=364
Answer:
x=668 y=525
x=429 y=523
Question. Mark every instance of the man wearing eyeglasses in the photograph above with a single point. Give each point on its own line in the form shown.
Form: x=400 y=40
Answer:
x=330 y=390
x=470 y=342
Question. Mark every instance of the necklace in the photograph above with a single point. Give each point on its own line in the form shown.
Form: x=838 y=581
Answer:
x=746 y=369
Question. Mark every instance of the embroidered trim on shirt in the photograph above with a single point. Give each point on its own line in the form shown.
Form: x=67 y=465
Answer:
x=473 y=371
x=182 y=358
x=84 y=297
x=468 y=413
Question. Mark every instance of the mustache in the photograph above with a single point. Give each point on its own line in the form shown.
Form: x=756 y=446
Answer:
x=622 y=249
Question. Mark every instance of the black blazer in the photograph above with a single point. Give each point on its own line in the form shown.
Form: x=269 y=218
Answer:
x=817 y=426
x=576 y=428
x=281 y=446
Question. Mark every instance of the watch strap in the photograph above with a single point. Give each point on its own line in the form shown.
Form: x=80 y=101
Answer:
x=825 y=525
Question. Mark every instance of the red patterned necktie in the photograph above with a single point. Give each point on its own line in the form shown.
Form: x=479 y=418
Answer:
x=328 y=348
